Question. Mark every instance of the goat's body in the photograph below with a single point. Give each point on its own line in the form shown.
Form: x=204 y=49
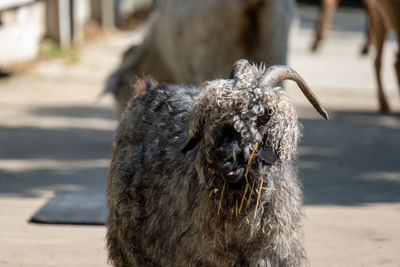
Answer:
x=161 y=214
x=191 y=41
x=199 y=40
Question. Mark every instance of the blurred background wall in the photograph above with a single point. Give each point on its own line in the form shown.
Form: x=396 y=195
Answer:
x=344 y=3
x=24 y=23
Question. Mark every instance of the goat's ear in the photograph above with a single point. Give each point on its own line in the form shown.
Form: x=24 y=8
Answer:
x=192 y=143
x=267 y=155
x=196 y=122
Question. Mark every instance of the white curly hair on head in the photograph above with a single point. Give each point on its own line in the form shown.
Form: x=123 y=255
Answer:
x=255 y=107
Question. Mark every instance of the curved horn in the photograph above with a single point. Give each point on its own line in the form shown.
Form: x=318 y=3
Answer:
x=279 y=73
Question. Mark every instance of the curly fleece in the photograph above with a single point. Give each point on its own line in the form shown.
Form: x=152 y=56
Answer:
x=244 y=100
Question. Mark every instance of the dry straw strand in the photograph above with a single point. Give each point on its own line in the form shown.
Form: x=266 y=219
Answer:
x=244 y=196
x=249 y=162
x=236 y=207
x=222 y=196
x=258 y=198
x=245 y=176
x=251 y=193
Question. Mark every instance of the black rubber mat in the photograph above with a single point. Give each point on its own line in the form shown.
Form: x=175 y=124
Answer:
x=81 y=207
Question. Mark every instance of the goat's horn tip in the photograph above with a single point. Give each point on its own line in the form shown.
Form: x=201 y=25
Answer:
x=324 y=114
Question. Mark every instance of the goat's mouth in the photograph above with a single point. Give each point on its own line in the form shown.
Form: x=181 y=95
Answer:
x=235 y=175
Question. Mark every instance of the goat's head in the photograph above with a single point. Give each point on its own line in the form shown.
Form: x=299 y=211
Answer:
x=235 y=115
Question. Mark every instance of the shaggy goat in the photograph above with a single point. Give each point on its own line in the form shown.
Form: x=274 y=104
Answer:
x=206 y=176
x=190 y=41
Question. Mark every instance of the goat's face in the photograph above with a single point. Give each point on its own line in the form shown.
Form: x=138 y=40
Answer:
x=237 y=117
x=226 y=157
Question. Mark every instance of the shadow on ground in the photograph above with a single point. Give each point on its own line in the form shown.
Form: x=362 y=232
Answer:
x=54 y=143
x=58 y=159
x=76 y=112
x=352 y=159
x=53 y=158
x=343 y=21
x=30 y=183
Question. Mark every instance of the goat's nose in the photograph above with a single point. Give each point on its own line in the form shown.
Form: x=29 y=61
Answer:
x=227 y=166
x=224 y=156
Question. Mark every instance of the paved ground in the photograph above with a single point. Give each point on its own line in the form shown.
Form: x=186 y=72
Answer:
x=54 y=135
x=350 y=164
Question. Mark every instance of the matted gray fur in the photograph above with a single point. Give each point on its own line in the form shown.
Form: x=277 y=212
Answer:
x=164 y=204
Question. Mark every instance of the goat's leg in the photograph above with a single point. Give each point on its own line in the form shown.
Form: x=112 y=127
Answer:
x=368 y=40
x=380 y=32
x=396 y=27
x=392 y=12
x=328 y=9
x=397 y=67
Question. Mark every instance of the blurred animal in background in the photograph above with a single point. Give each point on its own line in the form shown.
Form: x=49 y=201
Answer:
x=191 y=41
x=207 y=175
x=327 y=11
x=383 y=15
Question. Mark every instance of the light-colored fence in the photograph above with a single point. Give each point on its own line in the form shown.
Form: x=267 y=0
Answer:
x=23 y=23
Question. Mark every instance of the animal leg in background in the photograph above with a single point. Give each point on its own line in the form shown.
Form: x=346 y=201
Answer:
x=392 y=8
x=368 y=41
x=328 y=9
x=397 y=67
x=379 y=32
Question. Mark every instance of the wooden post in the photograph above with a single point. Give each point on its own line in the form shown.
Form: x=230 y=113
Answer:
x=80 y=13
x=107 y=12
x=103 y=12
x=58 y=21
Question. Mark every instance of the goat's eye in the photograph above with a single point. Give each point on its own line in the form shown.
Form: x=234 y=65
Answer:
x=262 y=120
x=267 y=155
